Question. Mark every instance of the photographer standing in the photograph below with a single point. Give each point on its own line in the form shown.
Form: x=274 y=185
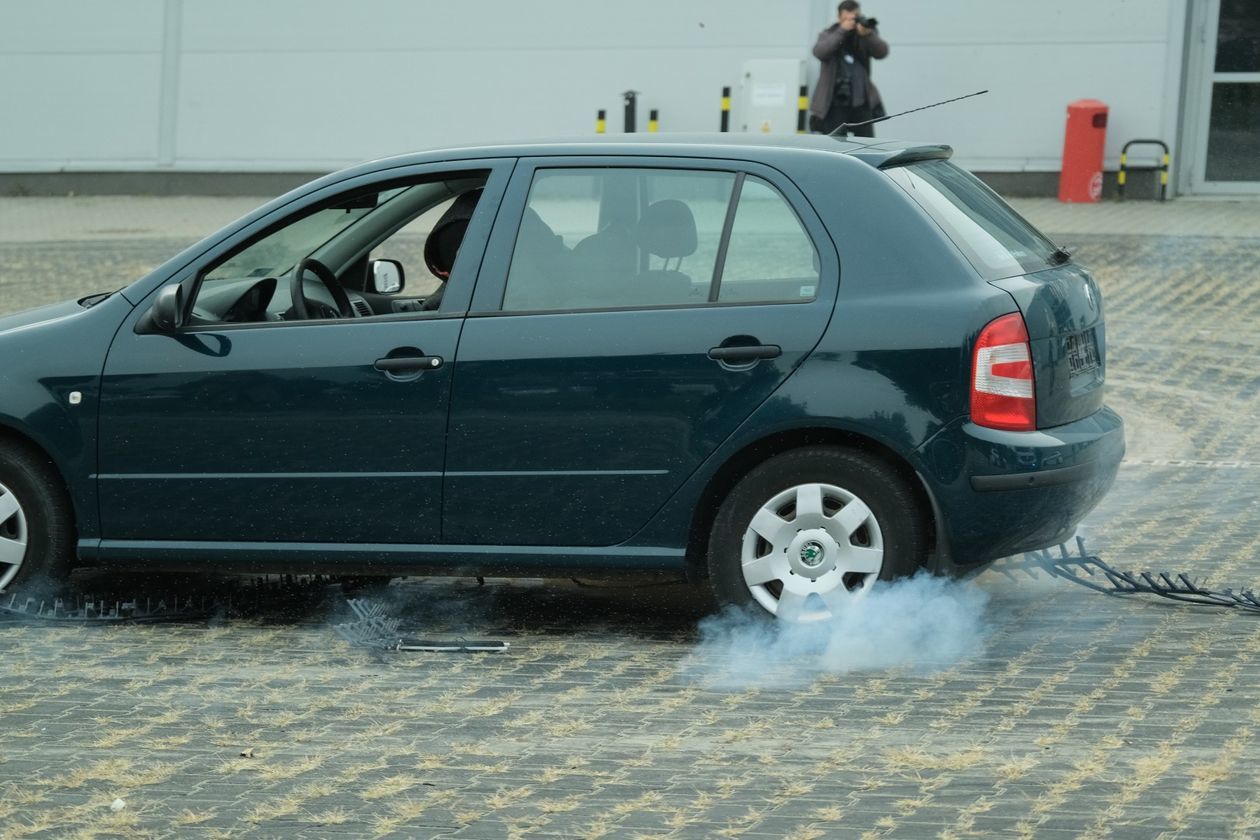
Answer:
x=845 y=92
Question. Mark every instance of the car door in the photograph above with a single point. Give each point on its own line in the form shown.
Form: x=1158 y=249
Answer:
x=290 y=431
x=630 y=314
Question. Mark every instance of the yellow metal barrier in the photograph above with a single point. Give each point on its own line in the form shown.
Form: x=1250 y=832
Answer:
x=1161 y=168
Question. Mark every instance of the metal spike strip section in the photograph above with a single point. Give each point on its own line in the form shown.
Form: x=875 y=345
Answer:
x=374 y=629
x=1090 y=571
x=90 y=609
x=1188 y=462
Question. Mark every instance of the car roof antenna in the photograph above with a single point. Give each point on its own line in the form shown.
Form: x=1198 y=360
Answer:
x=843 y=129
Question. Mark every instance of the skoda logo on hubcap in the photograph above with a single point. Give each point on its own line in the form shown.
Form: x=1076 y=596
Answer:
x=812 y=554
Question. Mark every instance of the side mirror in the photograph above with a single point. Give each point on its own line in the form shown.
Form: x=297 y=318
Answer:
x=387 y=277
x=168 y=310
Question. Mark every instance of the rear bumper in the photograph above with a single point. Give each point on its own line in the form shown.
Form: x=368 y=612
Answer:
x=1030 y=480
x=1000 y=493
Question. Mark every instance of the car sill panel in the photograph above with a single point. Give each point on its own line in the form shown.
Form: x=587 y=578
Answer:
x=337 y=557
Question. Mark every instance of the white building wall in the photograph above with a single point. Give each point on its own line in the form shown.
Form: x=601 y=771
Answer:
x=294 y=85
x=79 y=84
x=1034 y=58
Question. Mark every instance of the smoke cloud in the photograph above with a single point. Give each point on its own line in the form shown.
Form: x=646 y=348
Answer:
x=924 y=623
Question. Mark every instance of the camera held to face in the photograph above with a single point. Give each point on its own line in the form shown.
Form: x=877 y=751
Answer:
x=868 y=22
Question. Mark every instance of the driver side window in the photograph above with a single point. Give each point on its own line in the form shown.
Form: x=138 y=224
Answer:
x=321 y=264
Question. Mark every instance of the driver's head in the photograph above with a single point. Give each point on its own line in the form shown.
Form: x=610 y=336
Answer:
x=442 y=246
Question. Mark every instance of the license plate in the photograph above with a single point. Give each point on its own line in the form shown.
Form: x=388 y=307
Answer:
x=1082 y=352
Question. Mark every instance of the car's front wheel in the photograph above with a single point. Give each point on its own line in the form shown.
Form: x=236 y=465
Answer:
x=808 y=532
x=36 y=523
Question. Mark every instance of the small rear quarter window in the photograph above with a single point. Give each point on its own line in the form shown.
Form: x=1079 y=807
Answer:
x=770 y=257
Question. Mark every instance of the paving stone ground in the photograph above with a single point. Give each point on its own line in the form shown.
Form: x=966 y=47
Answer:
x=610 y=715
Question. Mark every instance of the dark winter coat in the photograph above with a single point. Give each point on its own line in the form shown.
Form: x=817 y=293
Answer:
x=827 y=50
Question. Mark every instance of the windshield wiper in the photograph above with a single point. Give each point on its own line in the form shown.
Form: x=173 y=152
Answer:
x=91 y=300
x=1062 y=254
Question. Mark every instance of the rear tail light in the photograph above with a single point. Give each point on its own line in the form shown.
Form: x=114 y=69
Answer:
x=1002 y=393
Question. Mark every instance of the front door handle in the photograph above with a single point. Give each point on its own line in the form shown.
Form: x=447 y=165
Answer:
x=408 y=364
x=742 y=354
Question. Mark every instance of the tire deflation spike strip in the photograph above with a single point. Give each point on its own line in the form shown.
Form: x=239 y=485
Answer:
x=1092 y=572
x=375 y=629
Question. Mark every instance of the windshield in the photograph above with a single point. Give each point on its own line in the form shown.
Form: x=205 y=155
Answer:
x=275 y=254
x=995 y=239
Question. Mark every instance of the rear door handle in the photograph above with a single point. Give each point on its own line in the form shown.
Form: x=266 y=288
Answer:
x=408 y=364
x=745 y=353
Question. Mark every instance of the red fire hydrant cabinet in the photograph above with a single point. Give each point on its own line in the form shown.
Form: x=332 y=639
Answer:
x=1081 y=177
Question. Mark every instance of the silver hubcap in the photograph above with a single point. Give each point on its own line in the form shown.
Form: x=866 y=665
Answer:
x=810 y=551
x=13 y=536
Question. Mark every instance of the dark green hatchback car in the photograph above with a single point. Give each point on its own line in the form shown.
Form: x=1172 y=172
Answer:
x=789 y=366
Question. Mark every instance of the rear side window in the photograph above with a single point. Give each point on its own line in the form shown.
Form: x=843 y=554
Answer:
x=612 y=238
x=996 y=240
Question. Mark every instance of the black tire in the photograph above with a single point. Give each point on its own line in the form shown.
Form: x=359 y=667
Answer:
x=895 y=509
x=45 y=521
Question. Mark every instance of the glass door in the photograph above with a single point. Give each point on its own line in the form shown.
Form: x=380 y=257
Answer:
x=1227 y=96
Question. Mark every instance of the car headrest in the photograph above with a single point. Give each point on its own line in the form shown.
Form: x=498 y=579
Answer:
x=668 y=229
x=535 y=238
x=612 y=249
x=442 y=246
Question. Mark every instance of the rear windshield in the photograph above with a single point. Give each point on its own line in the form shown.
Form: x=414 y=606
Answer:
x=994 y=238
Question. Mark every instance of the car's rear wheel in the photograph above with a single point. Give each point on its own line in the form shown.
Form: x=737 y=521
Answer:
x=36 y=523
x=807 y=533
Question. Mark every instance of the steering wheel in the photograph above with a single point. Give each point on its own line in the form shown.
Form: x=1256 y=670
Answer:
x=302 y=307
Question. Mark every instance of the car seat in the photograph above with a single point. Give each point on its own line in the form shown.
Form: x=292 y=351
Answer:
x=667 y=230
x=539 y=276
x=603 y=268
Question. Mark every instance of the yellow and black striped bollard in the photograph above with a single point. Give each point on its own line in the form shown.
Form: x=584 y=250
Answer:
x=726 y=110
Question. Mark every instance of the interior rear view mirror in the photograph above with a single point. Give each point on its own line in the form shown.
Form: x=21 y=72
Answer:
x=386 y=277
x=362 y=201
